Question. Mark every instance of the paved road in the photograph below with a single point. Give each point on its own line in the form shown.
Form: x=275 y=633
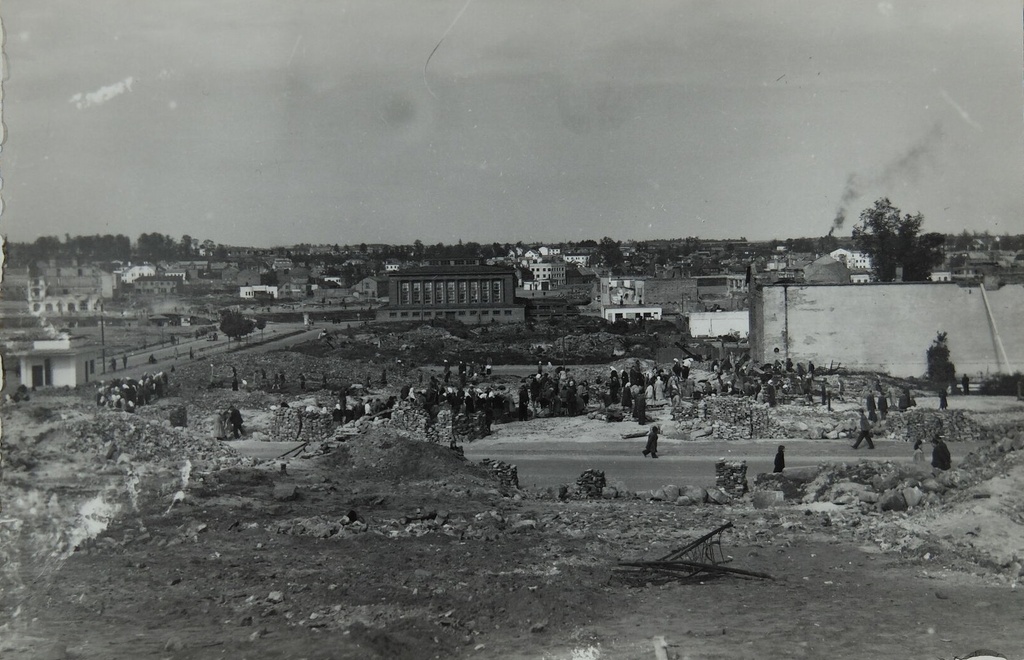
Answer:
x=679 y=462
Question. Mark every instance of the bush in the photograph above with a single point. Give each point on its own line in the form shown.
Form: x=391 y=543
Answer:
x=1001 y=385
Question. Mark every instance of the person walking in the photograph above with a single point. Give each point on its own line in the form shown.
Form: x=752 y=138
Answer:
x=865 y=432
x=943 y=399
x=965 y=383
x=524 y=402
x=652 y=443
x=780 y=459
x=235 y=419
x=941 y=460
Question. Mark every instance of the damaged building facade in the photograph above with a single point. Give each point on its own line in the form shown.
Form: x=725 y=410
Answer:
x=888 y=327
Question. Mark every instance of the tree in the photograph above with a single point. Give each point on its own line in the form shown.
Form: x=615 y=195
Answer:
x=234 y=325
x=940 y=370
x=261 y=324
x=185 y=246
x=894 y=240
x=609 y=252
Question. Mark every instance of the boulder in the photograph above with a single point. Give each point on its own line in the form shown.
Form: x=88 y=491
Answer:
x=950 y=478
x=931 y=485
x=912 y=496
x=695 y=493
x=683 y=500
x=609 y=493
x=802 y=474
x=892 y=500
x=670 y=492
x=765 y=499
x=286 y=492
x=718 y=496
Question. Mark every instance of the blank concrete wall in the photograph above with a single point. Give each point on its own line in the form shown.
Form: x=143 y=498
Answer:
x=889 y=327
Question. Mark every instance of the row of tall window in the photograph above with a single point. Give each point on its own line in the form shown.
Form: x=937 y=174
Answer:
x=451 y=292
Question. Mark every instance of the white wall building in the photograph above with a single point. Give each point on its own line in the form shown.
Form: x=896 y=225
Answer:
x=251 y=292
x=852 y=258
x=549 y=271
x=132 y=273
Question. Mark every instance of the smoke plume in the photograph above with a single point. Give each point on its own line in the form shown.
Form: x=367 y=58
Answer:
x=907 y=166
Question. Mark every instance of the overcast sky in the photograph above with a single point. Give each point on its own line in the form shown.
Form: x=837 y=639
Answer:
x=273 y=122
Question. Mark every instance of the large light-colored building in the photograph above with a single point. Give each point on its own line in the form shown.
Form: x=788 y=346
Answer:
x=73 y=289
x=471 y=293
x=552 y=272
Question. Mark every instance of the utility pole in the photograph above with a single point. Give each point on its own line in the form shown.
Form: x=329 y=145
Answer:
x=103 y=339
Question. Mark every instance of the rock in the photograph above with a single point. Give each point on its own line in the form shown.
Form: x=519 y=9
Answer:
x=524 y=524
x=802 y=474
x=671 y=492
x=683 y=500
x=912 y=496
x=931 y=485
x=718 y=496
x=275 y=597
x=765 y=499
x=286 y=492
x=950 y=478
x=609 y=493
x=539 y=627
x=695 y=493
x=892 y=500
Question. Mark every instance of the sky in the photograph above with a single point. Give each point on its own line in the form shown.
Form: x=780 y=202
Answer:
x=267 y=123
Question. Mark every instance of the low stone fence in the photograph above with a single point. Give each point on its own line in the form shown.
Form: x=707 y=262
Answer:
x=917 y=424
x=301 y=424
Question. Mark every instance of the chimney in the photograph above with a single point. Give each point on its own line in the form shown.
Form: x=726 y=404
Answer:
x=899 y=274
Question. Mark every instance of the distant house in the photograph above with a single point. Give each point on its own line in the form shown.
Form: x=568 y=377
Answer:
x=157 y=285
x=258 y=292
x=373 y=287
x=392 y=265
x=60 y=362
x=131 y=273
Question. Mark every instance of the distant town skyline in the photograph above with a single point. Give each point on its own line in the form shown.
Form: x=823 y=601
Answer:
x=271 y=124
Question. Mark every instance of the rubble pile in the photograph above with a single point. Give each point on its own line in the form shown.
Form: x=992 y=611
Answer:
x=144 y=440
x=467 y=428
x=731 y=476
x=613 y=413
x=506 y=473
x=318 y=527
x=917 y=424
x=591 y=484
x=301 y=424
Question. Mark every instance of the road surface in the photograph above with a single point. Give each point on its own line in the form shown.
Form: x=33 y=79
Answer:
x=679 y=463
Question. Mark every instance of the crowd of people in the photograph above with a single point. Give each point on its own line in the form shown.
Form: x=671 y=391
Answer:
x=128 y=393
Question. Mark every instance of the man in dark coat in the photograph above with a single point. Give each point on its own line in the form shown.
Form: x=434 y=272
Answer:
x=235 y=419
x=941 y=460
x=652 y=443
x=780 y=459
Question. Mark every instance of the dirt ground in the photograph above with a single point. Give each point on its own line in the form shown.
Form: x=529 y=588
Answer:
x=121 y=537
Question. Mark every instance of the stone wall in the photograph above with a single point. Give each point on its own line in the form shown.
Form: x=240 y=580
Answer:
x=301 y=425
x=917 y=424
